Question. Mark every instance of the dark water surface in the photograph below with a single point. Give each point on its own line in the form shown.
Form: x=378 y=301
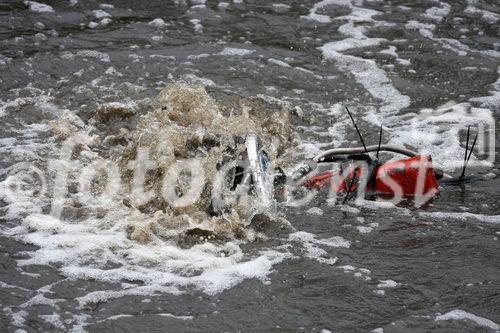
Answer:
x=406 y=270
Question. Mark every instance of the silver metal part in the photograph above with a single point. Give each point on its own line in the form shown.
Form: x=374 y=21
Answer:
x=361 y=150
x=263 y=182
x=304 y=170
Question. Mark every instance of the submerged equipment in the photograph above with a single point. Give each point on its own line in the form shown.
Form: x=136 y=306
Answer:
x=412 y=176
x=409 y=177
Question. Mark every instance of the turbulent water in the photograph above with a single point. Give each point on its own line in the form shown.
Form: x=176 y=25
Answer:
x=184 y=80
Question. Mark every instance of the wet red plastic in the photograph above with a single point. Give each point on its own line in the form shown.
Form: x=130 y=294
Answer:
x=393 y=178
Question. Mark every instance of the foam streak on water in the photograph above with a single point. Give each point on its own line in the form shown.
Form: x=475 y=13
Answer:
x=178 y=81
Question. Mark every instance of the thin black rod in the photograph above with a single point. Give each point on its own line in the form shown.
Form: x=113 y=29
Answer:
x=350 y=186
x=472 y=148
x=379 y=141
x=357 y=129
x=466 y=151
x=468 y=157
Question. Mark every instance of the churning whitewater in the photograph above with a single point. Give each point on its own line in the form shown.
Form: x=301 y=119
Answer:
x=148 y=152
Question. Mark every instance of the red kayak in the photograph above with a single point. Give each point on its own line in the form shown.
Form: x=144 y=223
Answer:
x=407 y=177
x=413 y=176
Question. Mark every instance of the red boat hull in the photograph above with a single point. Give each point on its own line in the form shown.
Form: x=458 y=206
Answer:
x=410 y=177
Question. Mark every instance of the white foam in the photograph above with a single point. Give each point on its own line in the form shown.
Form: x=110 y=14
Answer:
x=330 y=49
x=436 y=132
x=104 y=57
x=315 y=211
x=380 y=204
x=203 y=6
x=40 y=299
x=232 y=51
x=364 y=230
x=39 y=7
x=161 y=56
x=486 y=15
x=100 y=14
x=358 y=272
x=390 y=51
x=198 y=27
x=278 y=62
x=372 y=78
x=216 y=280
x=198 y=56
x=385 y=284
x=112 y=71
x=404 y=62
x=106 y=295
x=463 y=315
x=427 y=31
x=196 y=79
x=494 y=99
x=311 y=245
x=163 y=267
x=4 y=60
x=280 y=7
x=365 y=71
x=116 y=317
x=176 y=317
x=157 y=23
x=106 y=6
x=349 y=209
x=53 y=319
x=10 y=286
x=43 y=223
x=347 y=268
x=461 y=216
x=18 y=318
x=105 y=21
x=84 y=251
x=358 y=15
x=438 y=13
x=313 y=15
x=365 y=271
